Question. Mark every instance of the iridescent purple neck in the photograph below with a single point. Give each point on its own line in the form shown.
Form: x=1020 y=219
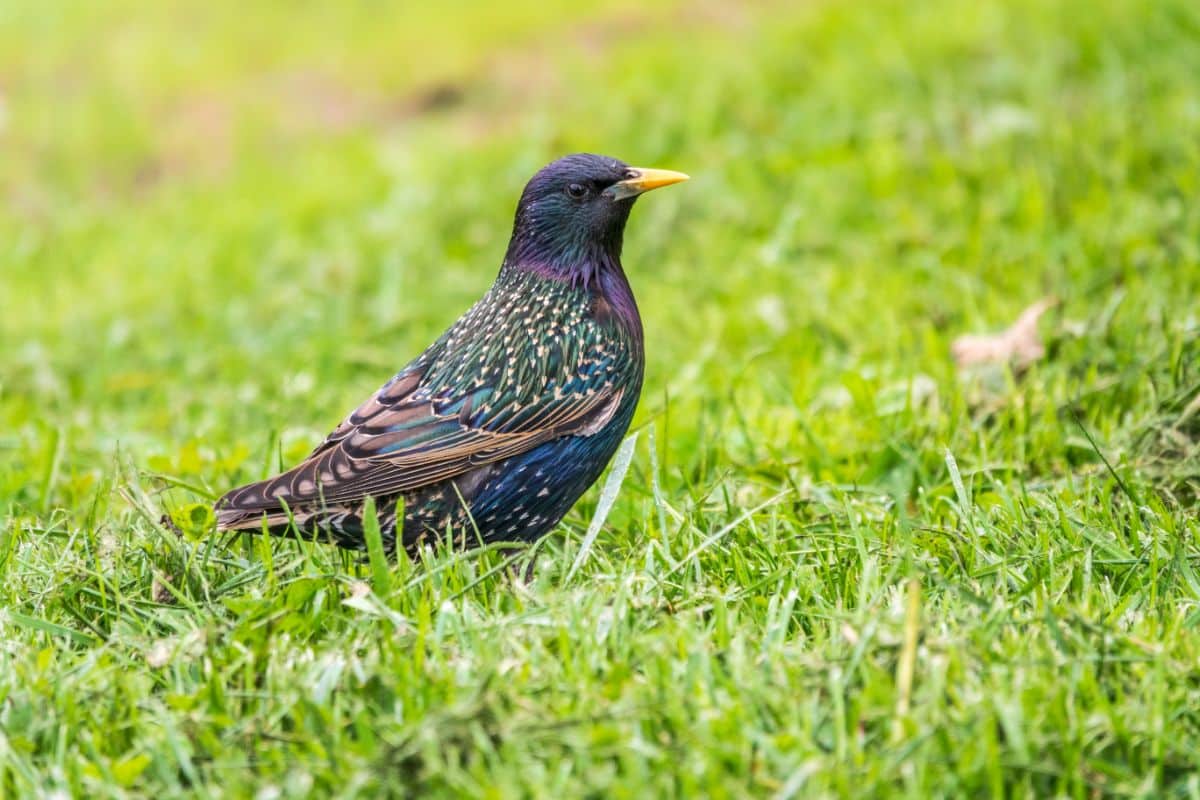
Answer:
x=615 y=289
x=577 y=267
x=563 y=254
x=601 y=278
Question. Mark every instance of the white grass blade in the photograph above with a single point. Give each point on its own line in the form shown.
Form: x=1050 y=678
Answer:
x=608 y=496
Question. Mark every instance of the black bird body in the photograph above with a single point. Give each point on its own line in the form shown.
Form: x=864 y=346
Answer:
x=501 y=424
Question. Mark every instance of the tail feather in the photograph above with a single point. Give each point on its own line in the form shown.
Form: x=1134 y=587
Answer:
x=340 y=522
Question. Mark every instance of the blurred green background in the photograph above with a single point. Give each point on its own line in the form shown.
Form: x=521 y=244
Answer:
x=224 y=224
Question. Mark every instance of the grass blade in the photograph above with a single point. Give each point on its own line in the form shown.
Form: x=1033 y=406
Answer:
x=381 y=574
x=608 y=496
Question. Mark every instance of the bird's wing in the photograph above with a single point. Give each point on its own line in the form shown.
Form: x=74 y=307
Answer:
x=419 y=430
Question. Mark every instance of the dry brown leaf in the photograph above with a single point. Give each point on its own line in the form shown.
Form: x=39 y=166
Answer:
x=1019 y=345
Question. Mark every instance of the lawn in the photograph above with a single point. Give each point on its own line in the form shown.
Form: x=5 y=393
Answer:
x=837 y=564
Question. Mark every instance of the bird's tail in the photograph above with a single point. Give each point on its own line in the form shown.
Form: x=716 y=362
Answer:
x=339 y=523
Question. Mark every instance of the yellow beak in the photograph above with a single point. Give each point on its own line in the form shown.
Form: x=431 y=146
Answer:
x=643 y=179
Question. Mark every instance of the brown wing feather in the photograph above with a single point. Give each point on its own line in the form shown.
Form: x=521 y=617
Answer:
x=355 y=460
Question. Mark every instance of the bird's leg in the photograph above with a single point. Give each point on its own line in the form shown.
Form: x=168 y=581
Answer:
x=515 y=572
x=170 y=525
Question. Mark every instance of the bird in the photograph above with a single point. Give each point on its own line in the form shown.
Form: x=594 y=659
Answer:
x=494 y=431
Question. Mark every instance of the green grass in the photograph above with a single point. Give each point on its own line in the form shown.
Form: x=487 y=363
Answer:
x=835 y=567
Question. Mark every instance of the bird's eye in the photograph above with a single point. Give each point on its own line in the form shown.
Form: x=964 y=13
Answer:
x=576 y=190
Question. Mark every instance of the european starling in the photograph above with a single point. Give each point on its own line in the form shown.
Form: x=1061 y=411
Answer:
x=493 y=432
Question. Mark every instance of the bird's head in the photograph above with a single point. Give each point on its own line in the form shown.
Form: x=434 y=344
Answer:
x=572 y=214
